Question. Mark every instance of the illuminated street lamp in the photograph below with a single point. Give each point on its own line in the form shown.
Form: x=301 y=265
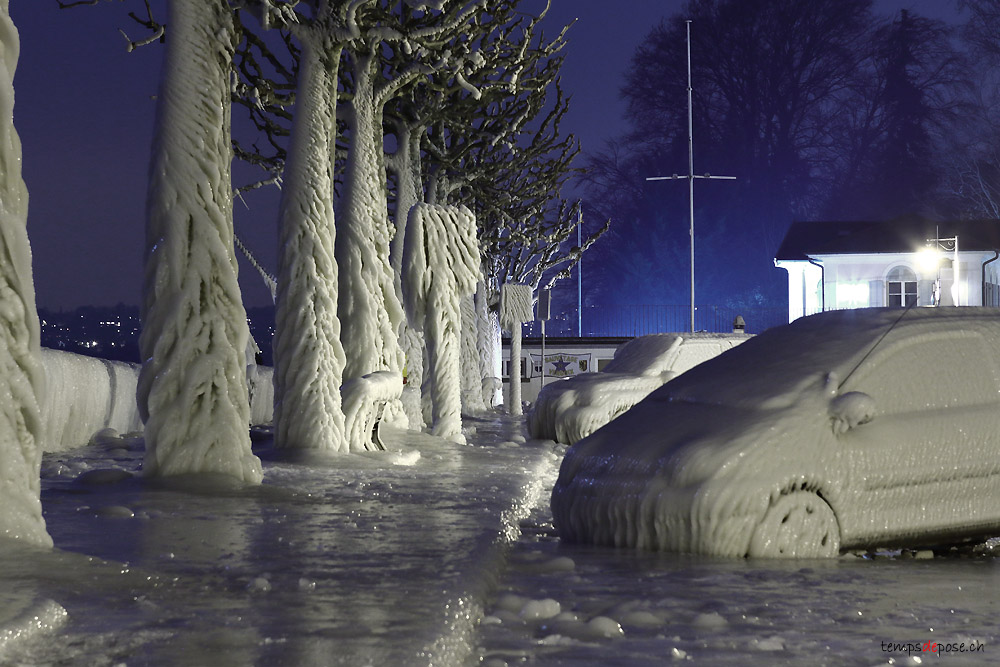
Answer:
x=929 y=258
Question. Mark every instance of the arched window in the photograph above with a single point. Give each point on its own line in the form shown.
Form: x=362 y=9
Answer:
x=901 y=285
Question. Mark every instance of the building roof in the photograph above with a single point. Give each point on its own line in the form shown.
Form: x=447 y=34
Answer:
x=805 y=239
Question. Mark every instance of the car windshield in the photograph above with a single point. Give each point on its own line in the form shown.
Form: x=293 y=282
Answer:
x=774 y=368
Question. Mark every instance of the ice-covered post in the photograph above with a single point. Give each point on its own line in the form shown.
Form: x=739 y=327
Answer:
x=440 y=267
x=192 y=391
x=21 y=376
x=515 y=309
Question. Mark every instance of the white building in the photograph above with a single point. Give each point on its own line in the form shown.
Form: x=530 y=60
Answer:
x=907 y=261
x=565 y=357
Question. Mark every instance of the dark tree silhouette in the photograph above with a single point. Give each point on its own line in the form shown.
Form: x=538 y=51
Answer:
x=818 y=109
x=903 y=95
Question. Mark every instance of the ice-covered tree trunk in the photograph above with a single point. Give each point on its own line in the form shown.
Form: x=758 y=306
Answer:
x=408 y=194
x=472 y=377
x=369 y=310
x=192 y=390
x=21 y=376
x=440 y=267
x=490 y=347
x=308 y=355
x=408 y=191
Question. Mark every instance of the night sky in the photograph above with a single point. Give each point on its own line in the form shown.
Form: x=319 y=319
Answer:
x=84 y=111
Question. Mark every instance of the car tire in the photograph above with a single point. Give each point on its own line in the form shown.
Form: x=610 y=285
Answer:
x=799 y=524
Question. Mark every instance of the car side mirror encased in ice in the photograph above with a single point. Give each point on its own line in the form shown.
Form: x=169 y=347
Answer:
x=851 y=409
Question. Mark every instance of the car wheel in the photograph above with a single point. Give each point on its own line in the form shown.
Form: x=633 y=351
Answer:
x=797 y=525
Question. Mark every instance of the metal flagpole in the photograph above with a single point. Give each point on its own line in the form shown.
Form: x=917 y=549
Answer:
x=691 y=176
x=579 y=274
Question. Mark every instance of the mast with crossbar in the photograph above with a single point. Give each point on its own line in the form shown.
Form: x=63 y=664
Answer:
x=691 y=175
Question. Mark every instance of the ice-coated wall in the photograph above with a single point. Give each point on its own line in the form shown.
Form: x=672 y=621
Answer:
x=260 y=380
x=84 y=395
x=21 y=430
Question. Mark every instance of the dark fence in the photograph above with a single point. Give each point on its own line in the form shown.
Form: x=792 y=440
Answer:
x=639 y=320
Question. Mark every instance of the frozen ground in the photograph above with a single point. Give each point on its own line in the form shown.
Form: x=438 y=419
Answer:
x=395 y=559
x=562 y=604
x=382 y=559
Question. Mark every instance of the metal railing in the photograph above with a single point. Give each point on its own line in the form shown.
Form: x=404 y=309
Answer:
x=640 y=320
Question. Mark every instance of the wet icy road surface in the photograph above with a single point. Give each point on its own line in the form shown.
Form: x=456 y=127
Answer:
x=379 y=559
x=573 y=605
x=403 y=560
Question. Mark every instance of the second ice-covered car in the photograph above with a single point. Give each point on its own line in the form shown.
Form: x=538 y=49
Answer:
x=571 y=409
x=843 y=430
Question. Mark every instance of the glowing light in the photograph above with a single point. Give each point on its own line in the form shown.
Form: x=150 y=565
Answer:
x=928 y=258
x=852 y=295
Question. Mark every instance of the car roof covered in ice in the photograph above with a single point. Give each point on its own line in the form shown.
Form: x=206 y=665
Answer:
x=784 y=361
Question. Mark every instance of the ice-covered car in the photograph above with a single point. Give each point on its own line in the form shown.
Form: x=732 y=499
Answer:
x=844 y=430
x=571 y=409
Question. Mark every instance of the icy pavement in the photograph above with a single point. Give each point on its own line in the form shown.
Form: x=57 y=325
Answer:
x=380 y=559
x=572 y=605
x=399 y=559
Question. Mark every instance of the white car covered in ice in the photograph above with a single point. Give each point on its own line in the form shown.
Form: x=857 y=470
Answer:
x=843 y=430
x=571 y=409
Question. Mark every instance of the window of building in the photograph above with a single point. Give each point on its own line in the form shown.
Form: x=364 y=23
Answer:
x=901 y=286
x=505 y=369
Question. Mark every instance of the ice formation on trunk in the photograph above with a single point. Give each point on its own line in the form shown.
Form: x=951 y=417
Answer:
x=370 y=312
x=440 y=266
x=409 y=192
x=21 y=380
x=472 y=377
x=406 y=163
x=308 y=355
x=365 y=403
x=490 y=347
x=515 y=308
x=192 y=391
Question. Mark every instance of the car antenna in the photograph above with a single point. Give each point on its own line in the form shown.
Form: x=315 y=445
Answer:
x=872 y=348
